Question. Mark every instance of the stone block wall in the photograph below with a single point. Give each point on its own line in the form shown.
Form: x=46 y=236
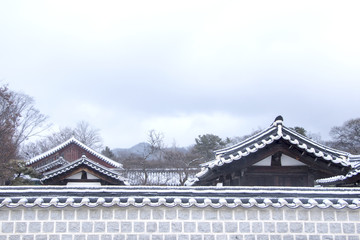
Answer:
x=192 y=223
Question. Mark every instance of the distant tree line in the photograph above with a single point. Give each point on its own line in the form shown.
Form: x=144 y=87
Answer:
x=21 y=127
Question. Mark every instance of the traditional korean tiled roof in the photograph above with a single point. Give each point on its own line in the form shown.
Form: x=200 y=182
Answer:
x=60 y=161
x=200 y=197
x=84 y=161
x=340 y=178
x=275 y=132
x=80 y=144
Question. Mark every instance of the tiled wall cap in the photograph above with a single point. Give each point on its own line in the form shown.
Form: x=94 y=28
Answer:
x=201 y=203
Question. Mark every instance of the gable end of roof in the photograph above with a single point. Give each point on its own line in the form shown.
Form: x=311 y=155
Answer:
x=84 y=161
x=80 y=144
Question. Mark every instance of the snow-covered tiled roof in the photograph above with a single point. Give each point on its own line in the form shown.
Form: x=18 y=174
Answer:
x=60 y=161
x=80 y=144
x=200 y=197
x=84 y=161
x=340 y=178
x=354 y=158
x=264 y=138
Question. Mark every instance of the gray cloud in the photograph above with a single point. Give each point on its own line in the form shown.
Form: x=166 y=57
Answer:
x=184 y=68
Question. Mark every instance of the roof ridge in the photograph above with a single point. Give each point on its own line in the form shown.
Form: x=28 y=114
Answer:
x=305 y=138
x=82 y=145
x=243 y=142
x=276 y=125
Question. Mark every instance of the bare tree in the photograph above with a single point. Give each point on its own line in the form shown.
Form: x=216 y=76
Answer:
x=347 y=136
x=88 y=135
x=19 y=121
x=184 y=160
x=59 y=137
x=154 y=150
x=30 y=122
x=156 y=144
x=82 y=132
x=151 y=155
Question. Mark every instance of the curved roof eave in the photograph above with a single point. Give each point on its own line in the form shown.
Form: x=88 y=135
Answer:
x=339 y=178
x=89 y=163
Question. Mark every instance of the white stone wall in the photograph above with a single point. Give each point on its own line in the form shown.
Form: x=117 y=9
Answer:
x=105 y=223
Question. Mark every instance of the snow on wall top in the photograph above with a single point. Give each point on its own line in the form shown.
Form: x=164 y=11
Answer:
x=199 y=197
x=80 y=144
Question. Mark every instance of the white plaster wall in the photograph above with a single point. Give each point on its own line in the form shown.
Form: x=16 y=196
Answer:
x=285 y=161
x=78 y=176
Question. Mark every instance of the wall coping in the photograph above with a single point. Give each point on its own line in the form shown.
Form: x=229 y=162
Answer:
x=157 y=196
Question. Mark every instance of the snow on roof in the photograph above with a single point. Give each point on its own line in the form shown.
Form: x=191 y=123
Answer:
x=60 y=161
x=84 y=160
x=80 y=144
x=260 y=140
x=200 y=197
x=354 y=158
x=339 y=178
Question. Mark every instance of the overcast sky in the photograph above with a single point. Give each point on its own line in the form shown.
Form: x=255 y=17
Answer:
x=184 y=68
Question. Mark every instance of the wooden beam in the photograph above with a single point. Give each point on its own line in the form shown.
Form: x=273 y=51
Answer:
x=276 y=159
